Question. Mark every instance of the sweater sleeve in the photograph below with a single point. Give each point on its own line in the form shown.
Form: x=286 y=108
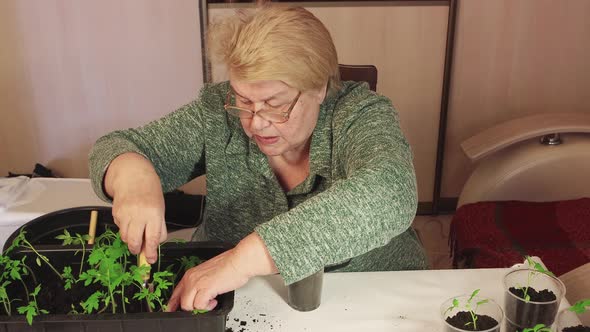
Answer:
x=374 y=202
x=174 y=145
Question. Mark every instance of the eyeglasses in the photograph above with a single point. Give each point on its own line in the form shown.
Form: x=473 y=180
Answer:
x=274 y=114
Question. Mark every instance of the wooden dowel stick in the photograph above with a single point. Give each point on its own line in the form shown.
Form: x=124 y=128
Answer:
x=92 y=227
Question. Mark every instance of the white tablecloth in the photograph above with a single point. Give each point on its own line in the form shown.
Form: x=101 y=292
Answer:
x=49 y=195
x=363 y=302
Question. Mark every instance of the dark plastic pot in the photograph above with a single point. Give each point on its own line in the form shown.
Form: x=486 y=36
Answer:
x=61 y=256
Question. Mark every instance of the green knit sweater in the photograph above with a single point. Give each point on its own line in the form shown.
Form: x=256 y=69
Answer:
x=358 y=201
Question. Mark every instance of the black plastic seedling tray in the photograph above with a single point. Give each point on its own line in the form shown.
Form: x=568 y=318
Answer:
x=61 y=256
x=42 y=230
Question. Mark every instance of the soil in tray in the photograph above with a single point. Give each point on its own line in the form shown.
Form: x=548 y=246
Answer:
x=56 y=300
x=579 y=328
x=462 y=318
x=53 y=297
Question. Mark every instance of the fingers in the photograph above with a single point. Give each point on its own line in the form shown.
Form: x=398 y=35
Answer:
x=201 y=285
x=195 y=291
x=153 y=232
x=120 y=219
x=199 y=301
x=212 y=304
x=163 y=232
x=174 y=301
x=187 y=298
x=204 y=299
x=135 y=237
x=141 y=224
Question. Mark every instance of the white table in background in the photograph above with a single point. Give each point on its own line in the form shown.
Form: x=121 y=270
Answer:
x=363 y=301
x=57 y=194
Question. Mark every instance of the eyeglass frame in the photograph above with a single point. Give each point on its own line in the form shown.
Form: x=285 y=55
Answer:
x=286 y=114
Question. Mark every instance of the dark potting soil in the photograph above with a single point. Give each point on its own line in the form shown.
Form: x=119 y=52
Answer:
x=56 y=300
x=521 y=314
x=53 y=298
x=544 y=295
x=462 y=318
x=579 y=328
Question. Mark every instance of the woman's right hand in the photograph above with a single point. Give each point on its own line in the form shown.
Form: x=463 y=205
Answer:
x=138 y=203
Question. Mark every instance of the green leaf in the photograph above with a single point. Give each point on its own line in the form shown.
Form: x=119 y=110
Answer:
x=580 y=306
x=29 y=312
x=15 y=274
x=540 y=328
x=96 y=256
x=199 y=311
x=38 y=261
x=67 y=271
x=36 y=291
x=92 y=302
x=482 y=302
x=30 y=315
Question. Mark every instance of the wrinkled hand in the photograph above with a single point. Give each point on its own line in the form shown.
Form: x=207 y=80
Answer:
x=138 y=204
x=200 y=285
x=223 y=273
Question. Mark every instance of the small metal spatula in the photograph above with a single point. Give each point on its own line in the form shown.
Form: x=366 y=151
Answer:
x=146 y=277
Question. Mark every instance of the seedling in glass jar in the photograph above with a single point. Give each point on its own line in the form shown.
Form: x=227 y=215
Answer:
x=538 y=268
x=469 y=306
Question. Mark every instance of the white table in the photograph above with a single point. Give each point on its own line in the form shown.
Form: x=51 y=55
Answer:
x=363 y=301
x=49 y=195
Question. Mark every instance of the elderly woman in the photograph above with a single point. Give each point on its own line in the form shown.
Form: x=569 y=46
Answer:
x=303 y=171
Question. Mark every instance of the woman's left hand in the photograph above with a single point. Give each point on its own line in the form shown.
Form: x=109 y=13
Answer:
x=223 y=273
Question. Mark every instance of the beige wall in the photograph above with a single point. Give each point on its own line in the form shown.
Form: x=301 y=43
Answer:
x=71 y=71
x=407 y=44
x=514 y=58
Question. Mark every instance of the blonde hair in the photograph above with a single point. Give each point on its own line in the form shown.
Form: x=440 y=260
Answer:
x=275 y=42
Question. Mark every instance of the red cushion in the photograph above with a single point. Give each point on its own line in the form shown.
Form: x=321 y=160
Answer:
x=499 y=234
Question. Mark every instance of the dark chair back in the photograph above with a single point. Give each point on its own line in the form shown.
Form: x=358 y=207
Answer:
x=359 y=73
